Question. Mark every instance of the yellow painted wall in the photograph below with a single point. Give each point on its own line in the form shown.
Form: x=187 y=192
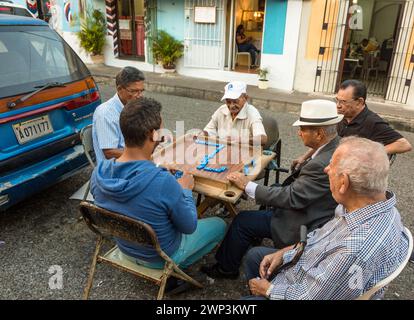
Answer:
x=315 y=27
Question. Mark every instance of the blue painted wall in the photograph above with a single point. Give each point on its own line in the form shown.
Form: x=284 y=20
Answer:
x=275 y=24
x=66 y=10
x=170 y=17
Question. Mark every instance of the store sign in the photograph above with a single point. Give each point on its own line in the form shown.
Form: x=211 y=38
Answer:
x=125 y=34
x=205 y=14
x=124 y=24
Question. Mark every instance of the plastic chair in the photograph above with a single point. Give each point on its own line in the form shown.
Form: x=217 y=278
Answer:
x=370 y=293
x=106 y=225
x=274 y=143
x=238 y=54
x=370 y=64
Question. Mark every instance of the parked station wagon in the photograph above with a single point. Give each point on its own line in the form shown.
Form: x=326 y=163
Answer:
x=47 y=95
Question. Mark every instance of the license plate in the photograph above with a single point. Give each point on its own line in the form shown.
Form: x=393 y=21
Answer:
x=32 y=129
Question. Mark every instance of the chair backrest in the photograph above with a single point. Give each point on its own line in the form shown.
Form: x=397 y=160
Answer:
x=367 y=295
x=87 y=142
x=107 y=223
x=272 y=130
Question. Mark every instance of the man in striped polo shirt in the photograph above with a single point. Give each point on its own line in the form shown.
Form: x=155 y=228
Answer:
x=108 y=141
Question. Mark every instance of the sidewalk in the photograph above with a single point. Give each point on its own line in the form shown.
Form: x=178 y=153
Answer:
x=400 y=116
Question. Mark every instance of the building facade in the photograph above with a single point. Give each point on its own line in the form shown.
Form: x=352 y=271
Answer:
x=306 y=45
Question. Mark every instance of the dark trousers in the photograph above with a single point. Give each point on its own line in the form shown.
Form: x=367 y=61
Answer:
x=246 y=227
x=253 y=259
x=248 y=47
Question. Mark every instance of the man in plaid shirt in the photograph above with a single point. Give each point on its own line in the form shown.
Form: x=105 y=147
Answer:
x=363 y=244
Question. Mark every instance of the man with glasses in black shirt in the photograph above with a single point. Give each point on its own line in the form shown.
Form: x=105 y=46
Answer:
x=360 y=121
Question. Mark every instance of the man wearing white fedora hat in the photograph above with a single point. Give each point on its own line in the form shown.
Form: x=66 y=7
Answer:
x=359 y=121
x=237 y=120
x=304 y=198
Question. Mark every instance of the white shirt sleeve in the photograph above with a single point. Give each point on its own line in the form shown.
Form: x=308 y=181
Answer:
x=256 y=120
x=212 y=126
x=251 y=189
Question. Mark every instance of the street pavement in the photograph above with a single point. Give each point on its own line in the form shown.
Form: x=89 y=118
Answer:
x=44 y=235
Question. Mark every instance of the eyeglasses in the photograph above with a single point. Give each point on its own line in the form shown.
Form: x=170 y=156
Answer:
x=344 y=102
x=134 y=91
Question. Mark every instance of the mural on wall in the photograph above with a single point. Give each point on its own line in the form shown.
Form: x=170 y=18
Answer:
x=70 y=11
x=55 y=21
x=67 y=11
x=32 y=6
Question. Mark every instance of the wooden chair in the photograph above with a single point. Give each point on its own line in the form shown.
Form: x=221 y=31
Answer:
x=106 y=225
x=370 y=293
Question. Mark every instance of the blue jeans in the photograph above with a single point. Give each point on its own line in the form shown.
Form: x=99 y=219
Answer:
x=250 y=48
x=209 y=233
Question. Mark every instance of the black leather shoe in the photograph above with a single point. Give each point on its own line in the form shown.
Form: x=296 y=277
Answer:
x=216 y=272
x=175 y=286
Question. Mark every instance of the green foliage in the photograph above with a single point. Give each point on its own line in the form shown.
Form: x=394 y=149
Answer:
x=167 y=49
x=263 y=73
x=92 y=32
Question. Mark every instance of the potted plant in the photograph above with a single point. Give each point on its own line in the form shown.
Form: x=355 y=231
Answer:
x=92 y=34
x=167 y=50
x=263 y=82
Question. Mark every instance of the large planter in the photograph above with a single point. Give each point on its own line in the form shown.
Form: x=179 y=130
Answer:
x=263 y=84
x=168 y=72
x=98 y=59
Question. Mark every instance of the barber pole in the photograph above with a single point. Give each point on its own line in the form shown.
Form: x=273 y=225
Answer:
x=32 y=6
x=112 y=23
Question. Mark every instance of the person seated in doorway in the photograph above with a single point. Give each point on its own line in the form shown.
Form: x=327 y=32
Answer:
x=237 y=120
x=134 y=186
x=362 y=46
x=108 y=141
x=244 y=44
x=363 y=244
x=360 y=121
x=304 y=197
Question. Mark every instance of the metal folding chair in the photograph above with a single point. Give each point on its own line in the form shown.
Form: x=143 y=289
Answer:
x=87 y=143
x=106 y=225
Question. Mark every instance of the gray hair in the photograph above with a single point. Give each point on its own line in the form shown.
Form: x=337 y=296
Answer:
x=128 y=75
x=330 y=130
x=366 y=164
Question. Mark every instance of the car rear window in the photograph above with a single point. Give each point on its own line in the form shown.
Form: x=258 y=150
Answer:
x=15 y=11
x=32 y=56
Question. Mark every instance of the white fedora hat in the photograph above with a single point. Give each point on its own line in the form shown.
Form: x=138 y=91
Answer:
x=318 y=113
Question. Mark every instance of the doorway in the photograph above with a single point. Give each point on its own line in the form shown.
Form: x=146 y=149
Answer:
x=130 y=15
x=247 y=16
x=369 y=48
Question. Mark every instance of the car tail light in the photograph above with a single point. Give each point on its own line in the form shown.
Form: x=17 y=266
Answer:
x=82 y=101
x=86 y=99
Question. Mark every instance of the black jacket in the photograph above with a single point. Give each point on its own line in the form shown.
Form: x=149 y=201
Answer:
x=305 y=199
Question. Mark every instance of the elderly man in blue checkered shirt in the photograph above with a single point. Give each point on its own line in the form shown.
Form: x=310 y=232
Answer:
x=363 y=244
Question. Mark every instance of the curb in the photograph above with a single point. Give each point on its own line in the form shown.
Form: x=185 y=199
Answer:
x=276 y=105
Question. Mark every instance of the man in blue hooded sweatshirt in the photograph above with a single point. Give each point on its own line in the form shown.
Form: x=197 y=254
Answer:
x=132 y=185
